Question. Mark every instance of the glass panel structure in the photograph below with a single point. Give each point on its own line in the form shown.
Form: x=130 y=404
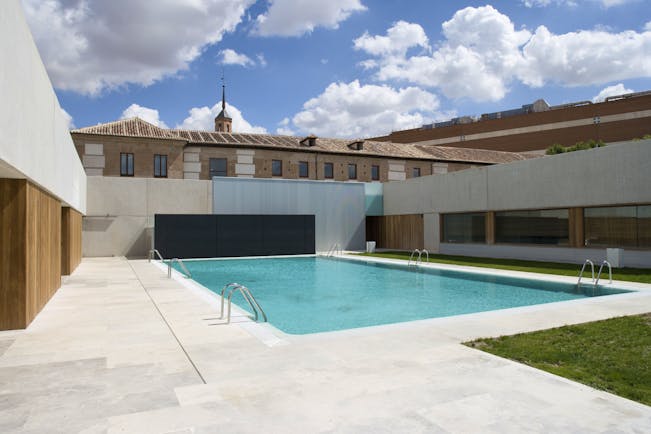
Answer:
x=160 y=166
x=618 y=226
x=126 y=164
x=547 y=226
x=464 y=228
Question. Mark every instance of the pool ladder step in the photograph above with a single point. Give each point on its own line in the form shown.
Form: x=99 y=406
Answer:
x=595 y=281
x=246 y=293
x=418 y=259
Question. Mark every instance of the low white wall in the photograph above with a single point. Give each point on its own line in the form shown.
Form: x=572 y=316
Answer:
x=617 y=174
x=120 y=215
x=339 y=207
x=34 y=140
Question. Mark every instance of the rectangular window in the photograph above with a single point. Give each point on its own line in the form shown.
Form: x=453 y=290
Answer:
x=415 y=172
x=160 y=166
x=352 y=171
x=547 y=226
x=464 y=228
x=276 y=168
x=618 y=226
x=375 y=173
x=126 y=164
x=328 y=170
x=303 y=169
x=218 y=167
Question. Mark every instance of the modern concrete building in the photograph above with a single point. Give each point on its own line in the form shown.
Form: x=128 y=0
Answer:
x=535 y=127
x=42 y=181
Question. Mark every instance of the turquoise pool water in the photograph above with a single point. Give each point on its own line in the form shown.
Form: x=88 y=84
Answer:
x=315 y=294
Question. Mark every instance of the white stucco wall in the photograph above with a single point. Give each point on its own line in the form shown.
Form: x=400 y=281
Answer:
x=120 y=216
x=34 y=140
x=339 y=207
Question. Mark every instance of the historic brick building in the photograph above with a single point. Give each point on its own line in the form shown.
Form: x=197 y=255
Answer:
x=537 y=126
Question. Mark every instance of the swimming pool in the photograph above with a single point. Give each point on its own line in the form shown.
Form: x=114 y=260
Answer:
x=316 y=294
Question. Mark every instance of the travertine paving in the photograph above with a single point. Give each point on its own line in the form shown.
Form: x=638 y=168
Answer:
x=122 y=348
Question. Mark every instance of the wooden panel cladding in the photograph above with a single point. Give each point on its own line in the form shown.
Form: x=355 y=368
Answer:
x=404 y=232
x=577 y=236
x=30 y=263
x=70 y=240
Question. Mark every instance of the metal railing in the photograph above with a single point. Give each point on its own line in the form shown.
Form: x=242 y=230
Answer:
x=610 y=272
x=334 y=250
x=419 y=258
x=181 y=264
x=246 y=293
x=586 y=262
x=152 y=254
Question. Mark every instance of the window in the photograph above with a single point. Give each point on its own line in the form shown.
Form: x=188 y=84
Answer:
x=547 y=226
x=276 y=168
x=352 y=171
x=303 y=169
x=464 y=228
x=415 y=172
x=375 y=173
x=328 y=170
x=160 y=166
x=126 y=164
x=618 y=226
x=218 y=167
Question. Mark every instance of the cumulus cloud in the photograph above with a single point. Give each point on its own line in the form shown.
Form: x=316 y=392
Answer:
x=615 y=90
x=283 y=128
x=70 y=124
x=203 y=119
x=483 y=52
x=573 y=3
x=297 y=17
x=231 y=57
x=90 y=46
x=399 y=38
x=145 y=113
x=354 y=110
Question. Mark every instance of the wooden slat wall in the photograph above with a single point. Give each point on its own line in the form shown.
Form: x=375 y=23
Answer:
x=404 y=232
x=70 y=240
x=30 y=271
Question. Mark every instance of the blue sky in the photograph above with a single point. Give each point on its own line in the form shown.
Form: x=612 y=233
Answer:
x=348 y=68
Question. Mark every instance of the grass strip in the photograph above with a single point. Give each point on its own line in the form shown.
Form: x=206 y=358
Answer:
x=641 y=275
x=612 y=355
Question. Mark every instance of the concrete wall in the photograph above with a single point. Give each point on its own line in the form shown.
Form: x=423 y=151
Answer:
x=339 y=207
x=120 y=216
x=34 y=139
x=618 y=174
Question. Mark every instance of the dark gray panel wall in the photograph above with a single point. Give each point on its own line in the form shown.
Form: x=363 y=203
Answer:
x=212 y=236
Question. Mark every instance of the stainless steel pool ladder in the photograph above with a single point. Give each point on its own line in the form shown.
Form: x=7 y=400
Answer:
x=181 y=264
x=419 y=258
x=586 y=262
x=152 y=254
x=255 y=306
x=610 y=272
x=334 y=250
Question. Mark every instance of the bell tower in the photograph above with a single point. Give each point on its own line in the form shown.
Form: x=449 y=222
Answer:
x=223 y=122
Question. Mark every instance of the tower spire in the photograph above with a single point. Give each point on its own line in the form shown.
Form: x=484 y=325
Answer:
x=223 y=122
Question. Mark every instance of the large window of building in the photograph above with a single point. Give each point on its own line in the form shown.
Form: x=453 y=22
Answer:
x=328 y=170
x=375 y=173
x=303 y=169
x=415 y=172
x=464 y=228
x=276 y=168
x=126 y=164
x=547 y=226
x=160 y=166
x=218 y=167
x=620 y=226
x=352 y=171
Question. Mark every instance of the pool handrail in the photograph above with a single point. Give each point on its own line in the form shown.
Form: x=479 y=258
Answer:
x=246 y=293
x=586 y=262
x=181 y=264
x=419 y=258
x=152 y=253
x=334 y=250
x=610 y=272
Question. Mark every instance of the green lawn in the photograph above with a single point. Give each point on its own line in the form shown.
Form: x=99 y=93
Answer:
x=629 y=274
x=612 y=355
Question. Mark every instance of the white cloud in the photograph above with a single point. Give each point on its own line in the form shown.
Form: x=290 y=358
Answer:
x=647 y=27
x=482 y=53
x=283 y=128
x=573 y=3
x=615 y=90
x=90 y=46
x=297 y=17
x=145 y=113
x=400 y=37
x=354 y=110
x=203 y=119
x=70 y=124
x=231 y=57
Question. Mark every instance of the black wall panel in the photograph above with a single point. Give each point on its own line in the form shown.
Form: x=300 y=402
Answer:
x=211 y=236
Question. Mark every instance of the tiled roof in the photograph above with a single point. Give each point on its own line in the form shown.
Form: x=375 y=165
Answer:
x=136 y=127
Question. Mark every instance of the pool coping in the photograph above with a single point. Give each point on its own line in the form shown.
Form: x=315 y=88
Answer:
x=271 y=336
